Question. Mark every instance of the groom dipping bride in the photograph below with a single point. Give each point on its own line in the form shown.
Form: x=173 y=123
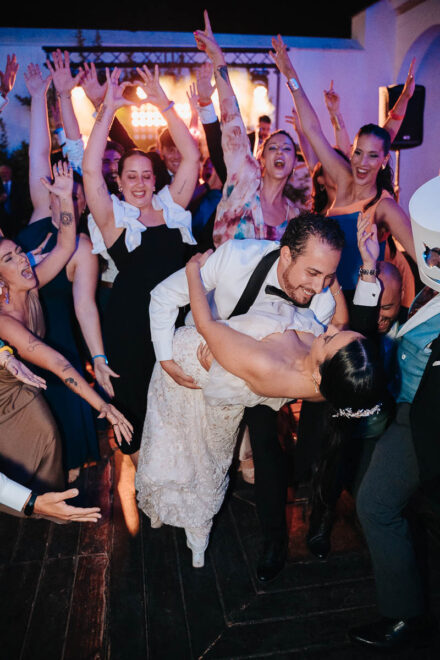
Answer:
x=187 y=445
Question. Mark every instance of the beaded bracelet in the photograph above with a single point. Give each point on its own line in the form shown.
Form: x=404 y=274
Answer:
x=97 y=356
x=7 y=348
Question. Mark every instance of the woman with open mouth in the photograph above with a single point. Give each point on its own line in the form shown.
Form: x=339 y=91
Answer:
x=30 y=448
x=362 y=185
x=253 y=204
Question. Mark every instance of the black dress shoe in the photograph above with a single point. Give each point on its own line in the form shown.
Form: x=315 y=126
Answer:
x=320 y=529
x=272 y=560
x=393 y=633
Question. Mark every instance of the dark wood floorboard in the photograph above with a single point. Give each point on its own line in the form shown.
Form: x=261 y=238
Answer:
x=120 y=590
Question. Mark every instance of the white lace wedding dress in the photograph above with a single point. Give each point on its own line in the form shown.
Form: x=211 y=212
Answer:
x=189 y=435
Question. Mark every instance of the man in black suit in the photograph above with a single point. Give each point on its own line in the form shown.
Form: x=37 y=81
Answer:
x=406 y=459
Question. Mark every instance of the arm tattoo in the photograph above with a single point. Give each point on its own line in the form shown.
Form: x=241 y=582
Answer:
x=34 y=343
x=223 y=72
x=182 y=187
x=71 y=382
x=100 y=114
x=66 y=219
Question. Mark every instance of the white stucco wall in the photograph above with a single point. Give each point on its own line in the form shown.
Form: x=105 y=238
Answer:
x=384 y=38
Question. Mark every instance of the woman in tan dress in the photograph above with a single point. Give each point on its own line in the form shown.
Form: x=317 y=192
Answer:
x=30 y=450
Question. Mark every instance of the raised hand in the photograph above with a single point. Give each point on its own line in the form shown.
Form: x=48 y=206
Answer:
x=62 y=77
x=121 y=426
x=36 y=84
x=206 y=41
x=151 y=86
x=95 y=92
x=7 y=79
x=410 y=83
x=192 y=97
x=281 y=57
x=205 y=89
x=20 y=371
x=62 y=185
x=367 y=241
x=292 y=119
x=332 y=100
x=114 y=97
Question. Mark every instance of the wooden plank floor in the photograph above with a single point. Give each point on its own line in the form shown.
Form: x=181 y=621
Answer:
x=120 y=590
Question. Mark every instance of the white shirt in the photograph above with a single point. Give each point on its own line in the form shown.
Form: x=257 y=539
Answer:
x=227 y=271
x=12 y=494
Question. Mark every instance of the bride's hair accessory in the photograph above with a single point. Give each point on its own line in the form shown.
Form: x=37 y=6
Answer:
x=348 y=412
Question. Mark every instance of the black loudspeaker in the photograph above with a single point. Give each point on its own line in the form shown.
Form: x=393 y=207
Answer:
x=411 y=131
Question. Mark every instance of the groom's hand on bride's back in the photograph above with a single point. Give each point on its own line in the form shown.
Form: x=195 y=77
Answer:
x=177 y=374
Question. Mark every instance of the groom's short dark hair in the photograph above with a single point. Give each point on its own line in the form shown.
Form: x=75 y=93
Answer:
x=306 y=225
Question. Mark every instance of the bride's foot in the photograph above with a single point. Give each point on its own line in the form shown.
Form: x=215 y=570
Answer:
x=198 y=559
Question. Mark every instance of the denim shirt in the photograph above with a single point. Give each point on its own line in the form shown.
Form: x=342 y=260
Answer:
x=413 y=352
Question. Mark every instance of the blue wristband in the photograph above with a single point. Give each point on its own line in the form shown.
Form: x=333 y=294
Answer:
x=31 y=258
x=97 y=356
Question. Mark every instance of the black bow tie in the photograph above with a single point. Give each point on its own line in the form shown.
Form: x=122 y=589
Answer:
x=274 y=291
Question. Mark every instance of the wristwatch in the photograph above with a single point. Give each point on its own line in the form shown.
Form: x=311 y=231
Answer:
x=29 y=508
x=366 y=271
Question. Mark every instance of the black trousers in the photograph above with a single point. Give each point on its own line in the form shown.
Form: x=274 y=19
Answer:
x=391 y=479
x=270 y=471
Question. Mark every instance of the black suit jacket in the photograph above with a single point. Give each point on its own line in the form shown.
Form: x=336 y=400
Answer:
x=425 y=426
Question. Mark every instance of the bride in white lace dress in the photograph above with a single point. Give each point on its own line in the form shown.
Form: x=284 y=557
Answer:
x=270 y=355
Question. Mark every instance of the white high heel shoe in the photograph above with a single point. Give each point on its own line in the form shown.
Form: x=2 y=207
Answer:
x=198 y=559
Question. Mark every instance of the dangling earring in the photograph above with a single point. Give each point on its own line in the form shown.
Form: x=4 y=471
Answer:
x=383 y=166
x=7 y=297
x=315 y=383
x=120 y=189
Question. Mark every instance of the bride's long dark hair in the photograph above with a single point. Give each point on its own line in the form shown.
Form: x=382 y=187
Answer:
x=352 y=382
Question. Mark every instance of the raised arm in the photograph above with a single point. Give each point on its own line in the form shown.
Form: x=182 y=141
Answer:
x=209 y=120
x=185 y=179
x=7 y=79
x=332 y=102
x=64 y=82
x=47 y=269
x=39 y=144
x=310 y=158
x=95 y=92
x=397 y=113
x=330 y=159
x=98 y=199
x=235 y=142
x=34 y=350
